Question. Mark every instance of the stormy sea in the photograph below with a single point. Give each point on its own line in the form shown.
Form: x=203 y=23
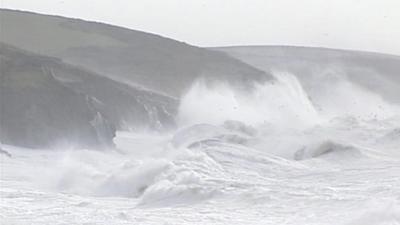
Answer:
x=161 y=132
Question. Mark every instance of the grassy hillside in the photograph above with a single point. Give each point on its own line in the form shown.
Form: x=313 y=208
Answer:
x=134 y=57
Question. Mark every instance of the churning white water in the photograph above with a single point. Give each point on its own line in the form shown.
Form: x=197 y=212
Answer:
x=274 y=155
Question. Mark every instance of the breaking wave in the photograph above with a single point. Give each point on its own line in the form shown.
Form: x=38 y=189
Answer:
x=228 y=141
x=282 y=101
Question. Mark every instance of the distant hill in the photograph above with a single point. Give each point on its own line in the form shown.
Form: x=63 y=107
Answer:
x=375 y=72
x=134 y=57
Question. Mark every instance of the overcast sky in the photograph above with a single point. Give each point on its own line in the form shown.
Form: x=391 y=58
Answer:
x=372 y=25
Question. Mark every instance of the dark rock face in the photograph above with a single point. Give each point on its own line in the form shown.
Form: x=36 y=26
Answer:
x=125 y=106
x=38 y=111
x=157 y=63
x=45 y=103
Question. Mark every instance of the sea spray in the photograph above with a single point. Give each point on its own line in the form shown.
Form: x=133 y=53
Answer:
x=282 y=101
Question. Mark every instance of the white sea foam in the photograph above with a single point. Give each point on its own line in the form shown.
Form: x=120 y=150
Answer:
x=275 y=152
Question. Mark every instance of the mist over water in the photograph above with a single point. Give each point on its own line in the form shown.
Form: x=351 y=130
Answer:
x=282 y=102
x=234 y=144
x=335 y=95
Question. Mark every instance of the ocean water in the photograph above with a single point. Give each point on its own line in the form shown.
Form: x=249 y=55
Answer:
x=272 y=155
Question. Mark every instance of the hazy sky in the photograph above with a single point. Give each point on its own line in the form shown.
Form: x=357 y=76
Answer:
x=372 y=25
